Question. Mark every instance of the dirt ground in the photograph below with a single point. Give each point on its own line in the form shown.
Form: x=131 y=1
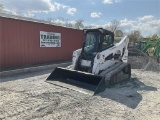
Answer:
x=30 y=97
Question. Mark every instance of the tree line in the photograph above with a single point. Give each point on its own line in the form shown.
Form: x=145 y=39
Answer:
x=113 y=26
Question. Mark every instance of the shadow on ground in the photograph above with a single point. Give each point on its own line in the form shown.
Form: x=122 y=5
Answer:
x=127 y=93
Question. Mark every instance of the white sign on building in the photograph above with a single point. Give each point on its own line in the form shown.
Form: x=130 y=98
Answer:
x=50 y=39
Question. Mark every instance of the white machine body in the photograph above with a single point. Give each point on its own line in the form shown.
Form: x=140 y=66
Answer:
x=100 y=61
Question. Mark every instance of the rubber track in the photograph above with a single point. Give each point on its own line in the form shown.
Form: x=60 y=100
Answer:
x=113 y=71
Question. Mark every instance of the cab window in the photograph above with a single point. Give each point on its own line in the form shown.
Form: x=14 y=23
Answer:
x=107 y=42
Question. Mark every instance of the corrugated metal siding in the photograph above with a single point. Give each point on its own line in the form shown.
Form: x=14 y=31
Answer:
x=20 y=43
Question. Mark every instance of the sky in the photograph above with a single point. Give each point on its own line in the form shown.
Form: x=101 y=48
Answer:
x=142 y=15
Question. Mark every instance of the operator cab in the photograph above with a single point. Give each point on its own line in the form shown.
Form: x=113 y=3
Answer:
x=95 y=40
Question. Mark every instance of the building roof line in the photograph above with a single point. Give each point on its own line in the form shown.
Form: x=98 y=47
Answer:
x=17 y=17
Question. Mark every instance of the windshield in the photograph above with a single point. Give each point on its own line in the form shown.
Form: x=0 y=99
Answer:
x=91 y=42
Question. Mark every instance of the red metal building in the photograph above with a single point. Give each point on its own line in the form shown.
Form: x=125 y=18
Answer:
x=20 y=42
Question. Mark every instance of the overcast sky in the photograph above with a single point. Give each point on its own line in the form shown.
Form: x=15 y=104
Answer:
x=142 y=15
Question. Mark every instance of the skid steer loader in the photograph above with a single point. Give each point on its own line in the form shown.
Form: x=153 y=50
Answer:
x=98 y=64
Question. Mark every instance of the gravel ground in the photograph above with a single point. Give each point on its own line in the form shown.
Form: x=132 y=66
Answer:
x=30 y=97
x=140 y=60
x=137 y=59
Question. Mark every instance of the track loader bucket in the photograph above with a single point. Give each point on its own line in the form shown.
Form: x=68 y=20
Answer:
x=77 y=80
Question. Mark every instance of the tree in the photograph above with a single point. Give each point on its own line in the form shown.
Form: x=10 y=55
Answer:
x=135 y=35
x=68 y=23
x=114 y=25
x=79 y=24
x=154 y=37
x=118 y=33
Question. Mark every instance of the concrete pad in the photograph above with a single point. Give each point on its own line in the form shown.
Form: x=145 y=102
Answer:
x=32 y=69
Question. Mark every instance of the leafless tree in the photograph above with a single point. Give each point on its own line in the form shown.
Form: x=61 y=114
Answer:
x=79 y=24
x=114 y=25
x=68 y=23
